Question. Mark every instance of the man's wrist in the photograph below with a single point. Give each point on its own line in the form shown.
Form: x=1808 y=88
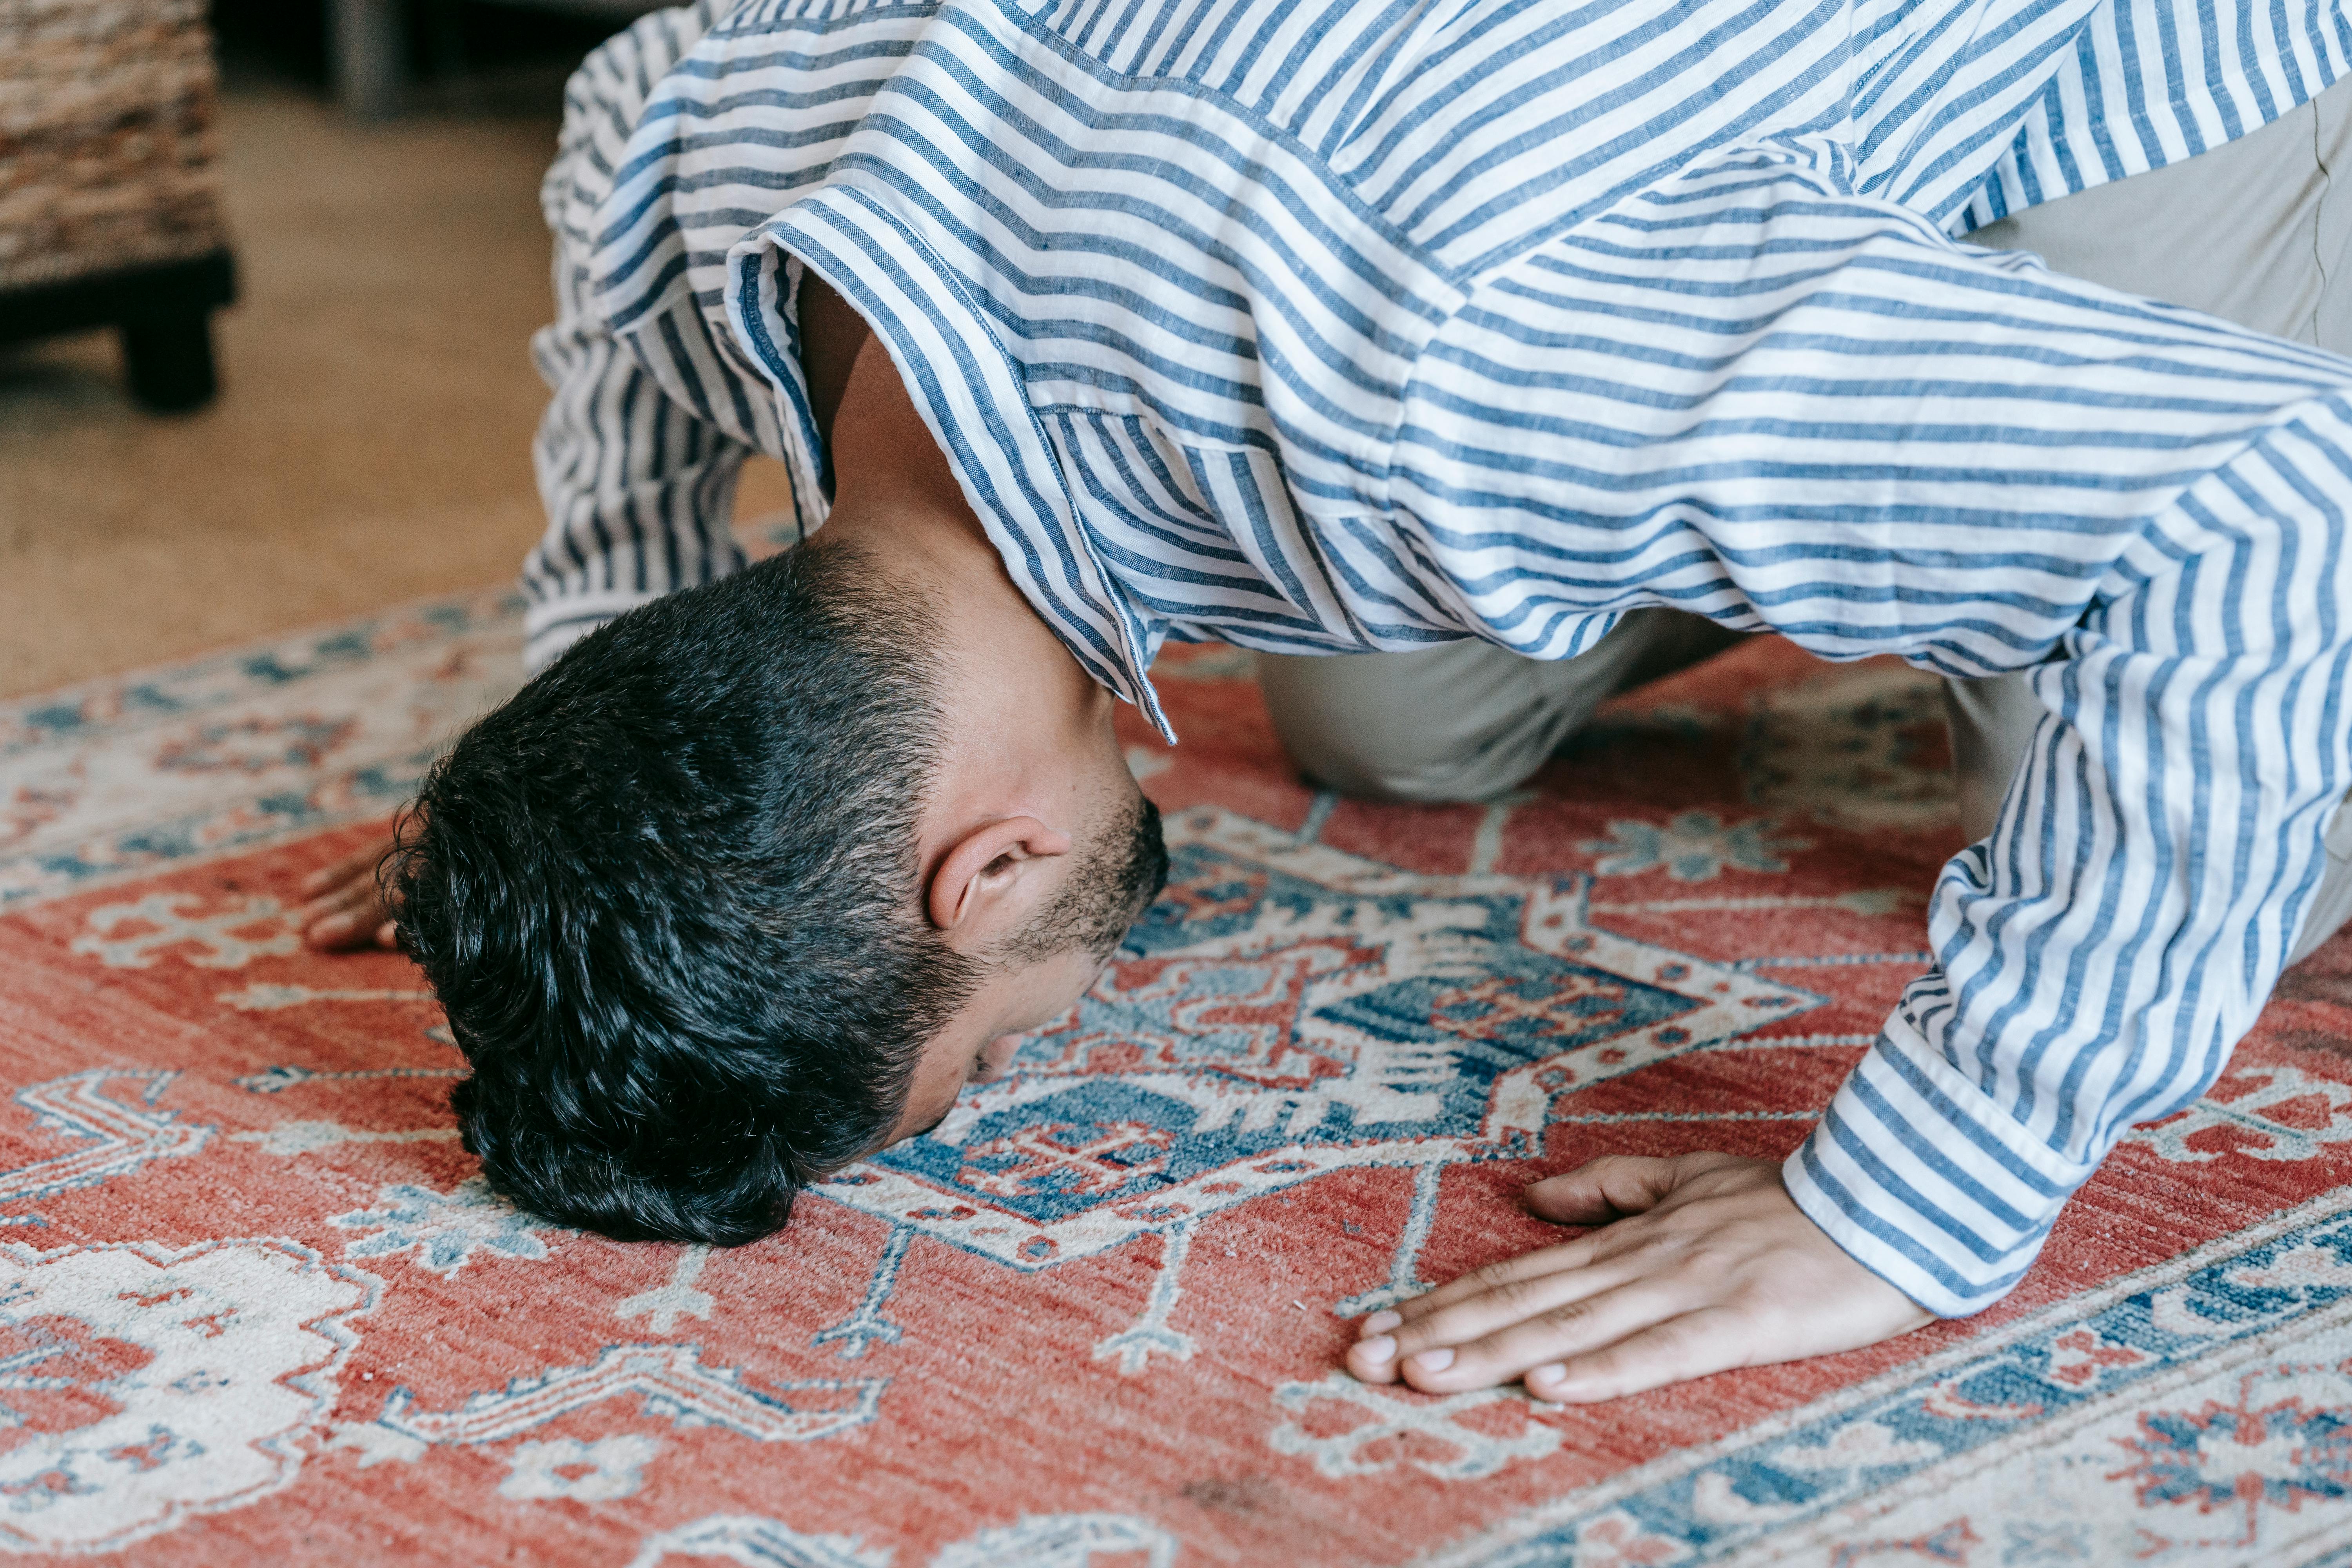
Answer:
x=1924 y=1181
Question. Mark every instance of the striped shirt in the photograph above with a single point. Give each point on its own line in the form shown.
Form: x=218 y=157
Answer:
x=1335 y=325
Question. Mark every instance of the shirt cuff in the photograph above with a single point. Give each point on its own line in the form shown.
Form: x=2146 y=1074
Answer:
x=1927 y=1182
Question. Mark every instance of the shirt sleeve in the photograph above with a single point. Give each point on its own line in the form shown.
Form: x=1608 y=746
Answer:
x=2147 y=83
x=638 y=490
x=639 y=493
x=1755 y=395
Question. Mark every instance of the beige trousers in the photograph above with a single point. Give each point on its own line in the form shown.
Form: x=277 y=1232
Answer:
x=2253 y=231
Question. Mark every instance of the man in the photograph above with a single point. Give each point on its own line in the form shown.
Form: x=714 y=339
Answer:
x=1368 y=330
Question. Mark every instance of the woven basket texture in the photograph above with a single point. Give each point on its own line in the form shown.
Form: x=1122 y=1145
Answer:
x=108 y=147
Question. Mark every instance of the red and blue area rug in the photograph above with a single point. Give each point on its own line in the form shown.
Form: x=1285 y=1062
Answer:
x=255 y=1304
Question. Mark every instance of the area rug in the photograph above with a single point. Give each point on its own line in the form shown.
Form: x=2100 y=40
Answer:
x=256 y=1305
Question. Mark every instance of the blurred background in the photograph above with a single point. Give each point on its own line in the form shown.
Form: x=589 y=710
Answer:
x=363 y=175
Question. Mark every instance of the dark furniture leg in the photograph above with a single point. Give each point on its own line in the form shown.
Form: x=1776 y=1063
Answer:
x=169 y=360
x=370 y=72
x=163 y=313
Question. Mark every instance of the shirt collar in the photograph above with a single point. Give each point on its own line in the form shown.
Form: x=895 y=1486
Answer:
x=861 y=242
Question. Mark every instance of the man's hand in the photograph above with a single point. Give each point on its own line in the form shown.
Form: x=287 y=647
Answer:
x=1703 y=1263
x=346 y=909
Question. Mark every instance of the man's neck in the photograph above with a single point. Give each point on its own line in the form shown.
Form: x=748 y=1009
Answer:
x=831 y=334
x=1014 y=685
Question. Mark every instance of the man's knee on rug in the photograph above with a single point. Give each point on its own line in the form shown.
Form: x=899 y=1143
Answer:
x=1463 y=721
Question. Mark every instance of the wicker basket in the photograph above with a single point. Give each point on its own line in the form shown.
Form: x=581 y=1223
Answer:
x=106 y=143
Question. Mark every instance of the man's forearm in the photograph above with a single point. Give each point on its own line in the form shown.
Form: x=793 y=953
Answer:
x=2102 y=952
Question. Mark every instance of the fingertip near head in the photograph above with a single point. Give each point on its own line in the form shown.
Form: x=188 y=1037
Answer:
x=1373 y=1360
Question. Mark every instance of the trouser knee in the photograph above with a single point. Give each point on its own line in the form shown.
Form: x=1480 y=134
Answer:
x=1456 y=722
x=1464 y=720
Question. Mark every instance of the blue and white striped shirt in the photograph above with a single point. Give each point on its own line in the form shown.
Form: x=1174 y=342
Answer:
x=1334 y=325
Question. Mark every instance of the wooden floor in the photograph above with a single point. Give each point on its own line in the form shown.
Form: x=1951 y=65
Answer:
x=373 y=440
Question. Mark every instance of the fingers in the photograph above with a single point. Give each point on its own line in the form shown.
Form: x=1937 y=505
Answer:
x=343 y=870
x=1694 y=1344
x=346 y=908
x=336 y=934
x=1597 y=1192
x=339 y=918
x=350 y=896
x=1721 y=1271
x=1615 y=1185
x=348 y=917
x=1394 y=1342
x=1502 y=1274
x=1565 y=1331
x=350 y=929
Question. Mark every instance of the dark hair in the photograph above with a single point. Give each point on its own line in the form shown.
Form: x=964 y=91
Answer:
x=666 y=894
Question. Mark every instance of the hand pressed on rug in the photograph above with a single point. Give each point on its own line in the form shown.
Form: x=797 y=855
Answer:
x=1698 y=1264
x=347 y=907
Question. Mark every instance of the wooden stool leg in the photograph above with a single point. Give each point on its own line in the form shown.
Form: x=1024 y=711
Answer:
x=170 y=360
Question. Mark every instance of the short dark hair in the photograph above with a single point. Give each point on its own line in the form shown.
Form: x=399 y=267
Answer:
x=666 y=895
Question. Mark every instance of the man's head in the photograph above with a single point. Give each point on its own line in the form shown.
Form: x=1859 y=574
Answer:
x=741 y=888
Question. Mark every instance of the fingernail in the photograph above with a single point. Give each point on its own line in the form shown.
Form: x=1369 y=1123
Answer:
x=1381 y=1323
x=1550 y=1372
x=333 y=926
x=1433 y=1361
x=1378 y=1349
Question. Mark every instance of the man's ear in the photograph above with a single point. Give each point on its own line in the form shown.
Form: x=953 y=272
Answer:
x=984 y=872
